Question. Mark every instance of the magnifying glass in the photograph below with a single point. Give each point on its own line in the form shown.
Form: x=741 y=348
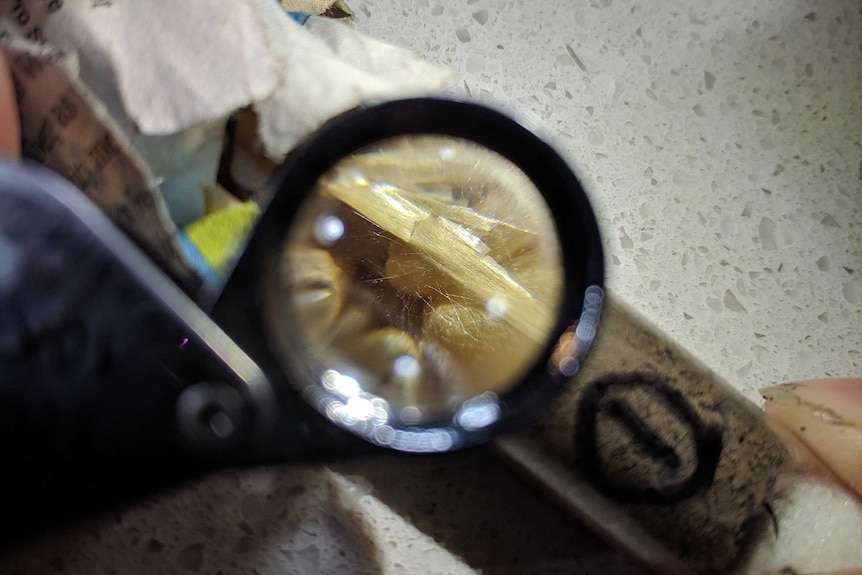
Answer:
x=427 y=274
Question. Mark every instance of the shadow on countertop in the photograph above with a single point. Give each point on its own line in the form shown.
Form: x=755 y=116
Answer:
x=480 y=509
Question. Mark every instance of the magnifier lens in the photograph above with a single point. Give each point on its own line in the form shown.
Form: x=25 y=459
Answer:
x=422 y=271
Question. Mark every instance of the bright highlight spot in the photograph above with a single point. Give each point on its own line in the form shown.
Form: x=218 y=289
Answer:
x=328 y=229
x=340 y=384
x=479 y=412
x=496 y=307
x=406 y=367
x=447 y=153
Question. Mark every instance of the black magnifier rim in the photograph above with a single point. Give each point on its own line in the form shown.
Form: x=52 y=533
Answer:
x=577 y=229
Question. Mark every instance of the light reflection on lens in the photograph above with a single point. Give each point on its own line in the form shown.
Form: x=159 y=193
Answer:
x=384 y=435
x=496 y=307
x=573 y=345
x=340 y=384
x=406 y=366
x=411 y=415
x=479 y=412
x=424 y=441
x=328 y=229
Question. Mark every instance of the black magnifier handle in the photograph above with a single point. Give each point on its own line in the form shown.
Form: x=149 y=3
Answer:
x=112 y=381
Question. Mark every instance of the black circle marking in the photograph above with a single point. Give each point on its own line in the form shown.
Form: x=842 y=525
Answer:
x=707 y=438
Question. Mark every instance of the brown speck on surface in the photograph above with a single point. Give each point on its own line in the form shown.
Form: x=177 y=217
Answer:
x=339 y=10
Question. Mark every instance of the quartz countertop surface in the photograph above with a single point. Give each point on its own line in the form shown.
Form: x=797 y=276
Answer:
x=721 y=145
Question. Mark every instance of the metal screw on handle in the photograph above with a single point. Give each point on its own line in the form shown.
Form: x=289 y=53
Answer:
x=211 y=416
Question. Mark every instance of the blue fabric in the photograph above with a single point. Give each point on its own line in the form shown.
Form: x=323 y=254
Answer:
x=197 y=261
x=299 y=17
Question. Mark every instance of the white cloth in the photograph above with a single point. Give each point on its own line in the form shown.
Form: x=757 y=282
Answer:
x=166 y=68
x=162 y=67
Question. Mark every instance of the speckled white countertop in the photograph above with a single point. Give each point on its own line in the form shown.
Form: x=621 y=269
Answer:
x=721 y=143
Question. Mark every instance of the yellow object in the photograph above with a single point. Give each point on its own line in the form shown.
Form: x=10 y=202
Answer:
x=219 y=235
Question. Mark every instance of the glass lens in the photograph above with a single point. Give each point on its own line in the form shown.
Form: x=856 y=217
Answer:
x=422 y=271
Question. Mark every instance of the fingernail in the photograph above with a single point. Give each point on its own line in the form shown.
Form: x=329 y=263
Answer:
x=836 y=401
